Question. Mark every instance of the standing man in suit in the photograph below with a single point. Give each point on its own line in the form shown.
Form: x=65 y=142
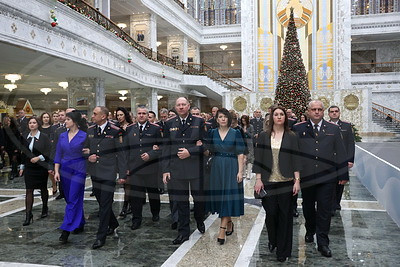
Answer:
x=143 y=166
x=183 y=166
x=22 y=122
x=348 y=139
x=324 y=165
x=106 y=158
x=213 y=120
x=258 y=123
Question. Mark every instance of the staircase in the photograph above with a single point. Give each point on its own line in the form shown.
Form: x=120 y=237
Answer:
x=387 y=118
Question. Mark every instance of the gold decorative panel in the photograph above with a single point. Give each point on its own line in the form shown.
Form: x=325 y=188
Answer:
x=239 y=103
x=351 y=102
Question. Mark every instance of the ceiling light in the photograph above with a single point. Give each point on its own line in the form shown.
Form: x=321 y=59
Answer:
x=45 y=90
x=10 y=86
x=232 y=63
x=13 y=77
x=158 y=44
x=63 y=99
x=123 y=98
x=121 y=25
x=123 y=92
x=159 y=97
x=64 y=85
x=223 y=47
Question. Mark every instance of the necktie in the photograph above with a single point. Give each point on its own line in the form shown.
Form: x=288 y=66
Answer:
x=141 y=129
x=98 y=130
x=316 y=129
x=183 y=122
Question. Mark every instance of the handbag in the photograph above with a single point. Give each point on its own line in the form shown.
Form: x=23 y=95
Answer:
x=260 y=195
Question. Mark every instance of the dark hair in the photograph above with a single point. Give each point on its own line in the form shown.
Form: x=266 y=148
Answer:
x=38 y=121
x=333 y=106
x=172 y=110
x=76 y=117
x=104 y=110
x=152 y=112
x=246 y=119
x=225 y=112
x=50 y=117
x=270 y=126
x=305 y=116
x=128 y=117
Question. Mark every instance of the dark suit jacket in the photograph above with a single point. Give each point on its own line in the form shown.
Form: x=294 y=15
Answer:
x=213 y=123
x=289 y=160
x=41 y=146
x=324 y=156
x=348 y=139
x=23 y=126
x=291 y=122
x=109 y=146
x=143 y=143
x=177 y=136
x=257 y=124
x=56 y=131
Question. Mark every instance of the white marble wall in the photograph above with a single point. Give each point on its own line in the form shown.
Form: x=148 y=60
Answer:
x=385 y=51
x=249 y=44
x=388 y=99
x=342 y=44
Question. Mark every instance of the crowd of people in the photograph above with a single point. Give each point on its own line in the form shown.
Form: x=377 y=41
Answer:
x=203 y=155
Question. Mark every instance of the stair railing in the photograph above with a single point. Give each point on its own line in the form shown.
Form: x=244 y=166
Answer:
x=391 y=117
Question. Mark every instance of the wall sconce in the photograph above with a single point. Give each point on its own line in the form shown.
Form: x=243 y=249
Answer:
x=123 y=92
x=123 y=98
x=223 y=47
x=64 y=85
x=232 y=64
x=45 y=90
x=159 y=97
x=10 y=86
x=13 y=77
x=158 y=44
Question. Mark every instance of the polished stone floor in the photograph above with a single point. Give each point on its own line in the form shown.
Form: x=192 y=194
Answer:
x=362 y=234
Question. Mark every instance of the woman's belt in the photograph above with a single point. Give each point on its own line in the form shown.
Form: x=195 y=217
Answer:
x=225 y=155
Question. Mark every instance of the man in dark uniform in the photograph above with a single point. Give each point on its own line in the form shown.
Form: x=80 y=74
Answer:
x=22 y=122
x=324 y=165
x=106 y=157
x=143 y=166
x=348 y=139
x=258 y=123
x=213 y=120
x=183 y=165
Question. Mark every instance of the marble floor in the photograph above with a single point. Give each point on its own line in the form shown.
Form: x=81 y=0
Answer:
x=362 y=234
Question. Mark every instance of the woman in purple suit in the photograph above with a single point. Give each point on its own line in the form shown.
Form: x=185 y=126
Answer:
x=70 y=168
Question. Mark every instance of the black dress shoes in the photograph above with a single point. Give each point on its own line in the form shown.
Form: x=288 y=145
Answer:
x=45 y=211
x=60 y=196
x=309 y=238
x=155 y=218
x=201 y=227
x=281 y=259
x=135 y=225
x=325 y=251
x=98 y=244
x=78 y=230
x=64 y=237
x=179 y=240
x=174 y=226
x=333 y=212
x=271 y=247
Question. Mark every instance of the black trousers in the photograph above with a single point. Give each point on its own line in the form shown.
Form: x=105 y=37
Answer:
x=104 y=193
x=139 y=185
x=318 y=220
x=180 y=191
x=337 y=196
x=279 y=219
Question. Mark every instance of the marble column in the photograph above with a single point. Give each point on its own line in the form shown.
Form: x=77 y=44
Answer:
x=249 y=44
x=133 y=101
x=177 y=48
x=103 y=6
x=145 y=24
x=86 y=93
x=153 y=100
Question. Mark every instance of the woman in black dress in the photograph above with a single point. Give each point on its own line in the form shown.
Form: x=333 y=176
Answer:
x=36 y=149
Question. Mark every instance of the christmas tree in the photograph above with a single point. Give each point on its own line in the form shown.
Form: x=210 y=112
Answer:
x=292 y=88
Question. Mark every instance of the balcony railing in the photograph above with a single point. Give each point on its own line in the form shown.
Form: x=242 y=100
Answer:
x=392 y=117
x=375 y=67
x=180 y=4
x=93 y=14
x=365 y=7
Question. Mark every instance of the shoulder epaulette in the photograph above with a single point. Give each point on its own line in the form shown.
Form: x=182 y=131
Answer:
x=171 y=118
x=332 y=123
x=114 y=127
x=155 y=124
x=129 y=125
x=91 y=126
x=300 y=122
x=197 y=116
x=291 y=119
x=346 y=122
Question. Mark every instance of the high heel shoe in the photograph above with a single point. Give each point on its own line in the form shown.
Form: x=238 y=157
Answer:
x=64 y=237
x=230 y=232
x=221 y=241
x=45 y=210
x=28 y=219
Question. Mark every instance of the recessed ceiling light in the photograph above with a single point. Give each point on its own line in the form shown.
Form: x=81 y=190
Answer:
x=10 y=86
x=223 y=47
x=45 y=90
x=13 y=77
x=123 y=98
x=121 y=25
x=123 y=92
x=64 y=85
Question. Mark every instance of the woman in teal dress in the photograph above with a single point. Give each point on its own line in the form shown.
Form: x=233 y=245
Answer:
x=226 y=187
